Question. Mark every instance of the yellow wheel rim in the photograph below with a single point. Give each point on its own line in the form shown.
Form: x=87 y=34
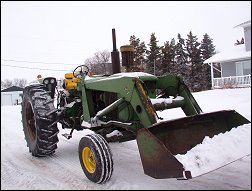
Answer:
x=88 y=160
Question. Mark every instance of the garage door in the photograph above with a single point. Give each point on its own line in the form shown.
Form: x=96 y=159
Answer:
x=6 y=99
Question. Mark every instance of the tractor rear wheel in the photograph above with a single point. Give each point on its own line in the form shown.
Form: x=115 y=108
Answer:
x=39 y=121
x=95 y=158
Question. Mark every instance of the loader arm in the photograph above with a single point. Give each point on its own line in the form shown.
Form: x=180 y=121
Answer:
x=132 y=91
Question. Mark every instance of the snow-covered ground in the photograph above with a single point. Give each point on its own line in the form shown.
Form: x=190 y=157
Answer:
x=19 y=170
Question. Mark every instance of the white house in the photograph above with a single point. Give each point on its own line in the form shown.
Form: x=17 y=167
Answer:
x=235 y=63
x=11 y=96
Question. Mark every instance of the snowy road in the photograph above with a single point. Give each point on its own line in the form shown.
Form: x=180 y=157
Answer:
x=19 y=170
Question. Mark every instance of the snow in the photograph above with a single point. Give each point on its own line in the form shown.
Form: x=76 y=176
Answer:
x=86 y=124
x=166 y=100
x=205 y=157
x=244 y=24
x=70 y=104
x=235 y=53
x=132 y=74
x=124 y=74
x=20 y=170
x=114 y=133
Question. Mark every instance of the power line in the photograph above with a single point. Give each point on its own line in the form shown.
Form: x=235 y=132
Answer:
x=32 y=68
x=10 y=60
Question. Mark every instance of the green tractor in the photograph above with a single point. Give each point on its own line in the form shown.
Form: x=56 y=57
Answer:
x=117 y=108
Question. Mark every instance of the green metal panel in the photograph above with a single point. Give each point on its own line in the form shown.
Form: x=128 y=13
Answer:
x=87 y=103
x=123 y=86
x=73 y=110
x=128 y=88
x=191 y=106
x=169 y=83
x=118 y=83
x=126 y=113
x=142 y=105
x=110 y=108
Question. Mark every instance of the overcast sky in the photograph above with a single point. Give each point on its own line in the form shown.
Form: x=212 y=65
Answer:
x=70 y=32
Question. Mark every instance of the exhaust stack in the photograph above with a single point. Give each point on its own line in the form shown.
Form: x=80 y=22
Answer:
x=116 y=68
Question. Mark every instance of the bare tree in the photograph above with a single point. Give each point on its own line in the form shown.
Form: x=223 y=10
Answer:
x=16 y=82
x=102 y=58
x=98 y=64
x=20 y=82
x=2 y=85
x=92 y=66
x=6 y=84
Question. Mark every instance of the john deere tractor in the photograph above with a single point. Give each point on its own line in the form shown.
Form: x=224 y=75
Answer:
x=120 y=107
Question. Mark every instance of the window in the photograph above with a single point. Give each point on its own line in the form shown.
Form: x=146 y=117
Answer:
x=243 y=68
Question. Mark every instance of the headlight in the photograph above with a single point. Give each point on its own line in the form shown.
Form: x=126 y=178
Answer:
x=46 y=81
x=52 y=81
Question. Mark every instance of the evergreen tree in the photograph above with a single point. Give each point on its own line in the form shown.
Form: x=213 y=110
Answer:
x=141 y=56
x=181 y=58
x=153 y=56
x=207 y=47
x=168 y=58
x=207 y=50
x=139 y=53
x=195 y=62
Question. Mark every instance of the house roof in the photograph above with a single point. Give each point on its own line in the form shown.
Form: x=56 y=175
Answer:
x=237 y=53
x=12 y=89
x=245 y=24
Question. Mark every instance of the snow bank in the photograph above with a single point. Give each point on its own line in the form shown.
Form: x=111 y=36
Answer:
x=218 y=151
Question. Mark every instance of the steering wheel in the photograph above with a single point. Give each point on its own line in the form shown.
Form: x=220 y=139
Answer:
x=81 y=72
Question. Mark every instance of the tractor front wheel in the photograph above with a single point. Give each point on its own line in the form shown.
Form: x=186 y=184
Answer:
x=95 y=158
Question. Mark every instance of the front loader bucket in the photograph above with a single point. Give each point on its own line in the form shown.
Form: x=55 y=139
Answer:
x=159 y=143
